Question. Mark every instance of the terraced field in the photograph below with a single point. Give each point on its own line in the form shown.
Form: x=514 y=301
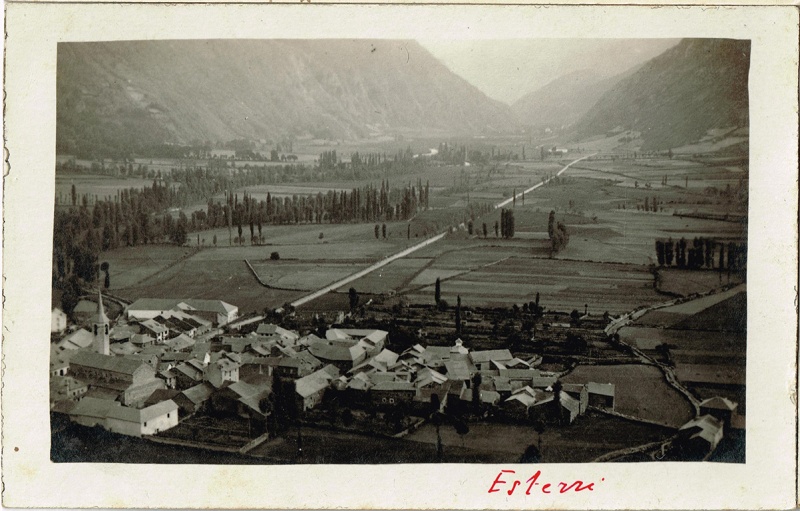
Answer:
x=641 y=391
x=562 y=285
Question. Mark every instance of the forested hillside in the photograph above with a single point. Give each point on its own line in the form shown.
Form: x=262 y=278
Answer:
x=675 y=98
x=121 y=98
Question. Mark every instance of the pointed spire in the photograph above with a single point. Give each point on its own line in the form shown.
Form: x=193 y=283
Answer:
x=101 y=314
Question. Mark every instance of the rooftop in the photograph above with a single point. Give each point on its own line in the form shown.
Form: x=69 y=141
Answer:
x=480 y=357
x=603 y=389
x=199 y=393
x=719 y=403
x=316 y=381
x=106 y=362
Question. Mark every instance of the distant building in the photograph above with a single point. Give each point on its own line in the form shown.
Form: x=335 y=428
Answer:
x=114 y=417
x=79 y=339
x=483 y=359
x=312 y=388
x=487 y=397
x=601 y=395
x=217 y=312
x=222 y=154
x=58 y=320
x=142 y=340
x=519 y=404
x=293 y=367
x=570 y=407
x=345 y=356
x=244 y=399
x=180 y=343
x=699 y=437
x=155 y=329
x=189 y=373
x=720 y=408
x=224 y=369
x=59 y=365
x=268 y=329
x=579 y=392
x=194 y=399
x=131 y=380
x=64 y=388
x=392 y=392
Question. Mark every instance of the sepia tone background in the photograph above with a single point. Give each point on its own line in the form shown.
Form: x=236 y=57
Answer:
x=31 y=480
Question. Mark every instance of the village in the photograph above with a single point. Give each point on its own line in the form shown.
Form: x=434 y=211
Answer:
x=193 y=373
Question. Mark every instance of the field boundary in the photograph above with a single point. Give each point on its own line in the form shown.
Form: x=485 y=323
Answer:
x=193 y=251
x=544 y=182
x=270 y=286
x=413 y=248
x=633 y=418
x=611 y=456
x=367 y=270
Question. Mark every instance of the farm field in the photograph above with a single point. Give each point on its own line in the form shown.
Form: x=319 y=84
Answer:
x=647 y=338
x=210 y=278
x=707 y=342
x=641 y=391
x=94 y=185
x=587 y=438
x=391 y=277
x=484 y=271
x=649 y=173
x=327 y=446
x=701 y=304
x=309 y=234
x=601 y=231
x=131 y=265
x=688 y=282
x=301 y=276
x=563 y=285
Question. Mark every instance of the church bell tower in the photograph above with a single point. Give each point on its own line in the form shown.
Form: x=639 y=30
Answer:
x=100 y=329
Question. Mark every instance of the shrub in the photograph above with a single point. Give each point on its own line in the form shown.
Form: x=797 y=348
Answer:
x=274 y=256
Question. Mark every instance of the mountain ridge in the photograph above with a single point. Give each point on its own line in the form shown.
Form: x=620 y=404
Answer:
x=563 y=101
x=677 y=97
x=123 y=95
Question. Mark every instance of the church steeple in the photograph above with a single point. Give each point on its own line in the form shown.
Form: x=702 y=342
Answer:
x=100 y=329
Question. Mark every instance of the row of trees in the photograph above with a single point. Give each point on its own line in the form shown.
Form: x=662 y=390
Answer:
x=134 y=217
x=139 y=216
x=366 y=204
x=507 y=223
x=191 y=183
x=701 y=253
x=368 y=165
x=651 y=205
x=559 y=236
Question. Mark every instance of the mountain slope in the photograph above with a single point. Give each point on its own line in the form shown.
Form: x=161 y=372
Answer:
x=675 y=98
x=563 y=101
x=118 y=96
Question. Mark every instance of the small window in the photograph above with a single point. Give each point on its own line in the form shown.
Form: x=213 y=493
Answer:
x=145 y=424
x=167 y=415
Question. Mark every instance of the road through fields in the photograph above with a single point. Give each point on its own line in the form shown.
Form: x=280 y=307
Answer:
x=414 y=248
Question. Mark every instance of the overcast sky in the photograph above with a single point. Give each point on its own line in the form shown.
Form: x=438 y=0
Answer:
x=508 y=69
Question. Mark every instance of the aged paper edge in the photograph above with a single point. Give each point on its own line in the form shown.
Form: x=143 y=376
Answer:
x=767 y=480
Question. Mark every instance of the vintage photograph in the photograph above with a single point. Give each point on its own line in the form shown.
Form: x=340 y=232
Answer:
x=399 y=256
x=363 y=251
